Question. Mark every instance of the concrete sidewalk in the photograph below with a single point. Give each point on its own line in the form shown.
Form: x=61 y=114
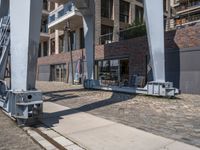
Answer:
x=95 y=133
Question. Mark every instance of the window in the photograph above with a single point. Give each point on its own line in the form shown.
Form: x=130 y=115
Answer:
x=139 y=13
x=106 y=8
x=45 y=48
x=82 y=38
x=58 y=72
x=39 y=50
x=52 y=46
x=106 y=34
x=165 y=3
x=124 y=11
x=52 y=18
x=52 y=6
x=73 y=40
x=45 y=5
x=113 y=72
x=61 y=43
x=44 y=25
x=141 y=1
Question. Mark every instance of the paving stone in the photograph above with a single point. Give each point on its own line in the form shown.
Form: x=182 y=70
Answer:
x=73 y=147
x=160 y=116
x=52 y=134
x=36 y=136
x=63 y=141
x=47 y=145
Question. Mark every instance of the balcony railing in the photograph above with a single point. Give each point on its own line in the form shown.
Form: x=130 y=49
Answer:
x=188 y=5
x=126 y=34
x=61 y=11
x=138 y=31
x=188 y=20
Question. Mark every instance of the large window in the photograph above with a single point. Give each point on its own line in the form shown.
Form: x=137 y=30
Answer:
x=58 y=73
x=124 y=11
x=113 y=72
x=139 y=13
x=107 y=8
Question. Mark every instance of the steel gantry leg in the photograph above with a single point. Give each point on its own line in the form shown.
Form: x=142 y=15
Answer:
x=25 y=35
x=155 y=28
x=22 y=101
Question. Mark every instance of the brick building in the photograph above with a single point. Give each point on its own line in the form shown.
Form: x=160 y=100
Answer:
x=116 y=60
x=112 y=16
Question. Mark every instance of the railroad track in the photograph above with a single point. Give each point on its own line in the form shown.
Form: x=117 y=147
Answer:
x=49 y=139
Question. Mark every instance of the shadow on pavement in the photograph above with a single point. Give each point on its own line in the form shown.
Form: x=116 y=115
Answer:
x=85 y=108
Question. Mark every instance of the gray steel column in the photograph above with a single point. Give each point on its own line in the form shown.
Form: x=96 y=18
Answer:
x=155 y=29
x=88 y=24
x=25 y=34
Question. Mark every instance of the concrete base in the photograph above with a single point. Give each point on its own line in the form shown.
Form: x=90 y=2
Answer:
x=96 y=133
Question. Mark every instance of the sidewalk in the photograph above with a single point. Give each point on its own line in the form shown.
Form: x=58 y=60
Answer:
x=95 y=133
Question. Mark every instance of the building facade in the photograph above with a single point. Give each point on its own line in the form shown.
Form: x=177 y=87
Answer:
x=186 y=11
x=65 y=33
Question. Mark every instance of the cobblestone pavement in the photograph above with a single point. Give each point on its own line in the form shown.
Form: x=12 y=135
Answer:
x=14 y=138
x=177 y=119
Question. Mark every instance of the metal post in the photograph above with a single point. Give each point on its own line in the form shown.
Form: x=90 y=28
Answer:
x=25 y=35
x=88 y=22
x=67 y=28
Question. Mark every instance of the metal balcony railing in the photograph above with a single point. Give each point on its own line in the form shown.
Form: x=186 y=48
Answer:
x=184 y=5
x=188 y=20
x=138 y=31
x=61 y=11
x=131 y=32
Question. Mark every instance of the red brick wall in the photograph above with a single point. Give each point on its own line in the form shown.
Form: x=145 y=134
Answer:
x=135 y=49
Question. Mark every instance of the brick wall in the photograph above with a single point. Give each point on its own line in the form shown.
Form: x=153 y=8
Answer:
x=135 y=49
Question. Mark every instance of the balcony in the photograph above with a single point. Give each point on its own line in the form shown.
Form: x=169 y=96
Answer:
x=44 y=35
x=188 y=20
x=58 y=17
x=188 y=6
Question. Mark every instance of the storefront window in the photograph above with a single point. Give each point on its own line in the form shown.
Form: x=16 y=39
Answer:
x=113 y=72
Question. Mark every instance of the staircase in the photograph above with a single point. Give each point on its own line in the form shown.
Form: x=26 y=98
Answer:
x=4 y=44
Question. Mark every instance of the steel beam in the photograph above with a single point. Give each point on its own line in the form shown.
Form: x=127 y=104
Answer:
x=87 y=9
x=155 y=29
x=88 y=24
x=25 y=32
